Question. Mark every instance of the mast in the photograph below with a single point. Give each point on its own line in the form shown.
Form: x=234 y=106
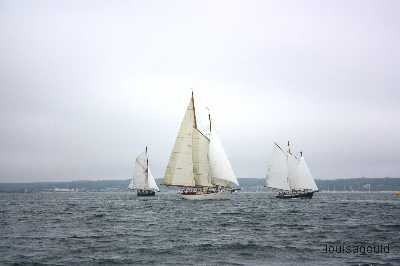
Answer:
x=194 y=111
x=299 y=175
x=200 y=153
x=147 y=168
x=287 y=161
x=209 y=118
x=197 y=160
x=150 y=180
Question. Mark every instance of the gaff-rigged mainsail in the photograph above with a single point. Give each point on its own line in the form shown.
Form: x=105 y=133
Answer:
x=277 y=171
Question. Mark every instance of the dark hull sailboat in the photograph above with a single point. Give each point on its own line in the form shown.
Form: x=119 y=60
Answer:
x=289 y=174
x=145 y=193
x=143 y=181
x=292 y=195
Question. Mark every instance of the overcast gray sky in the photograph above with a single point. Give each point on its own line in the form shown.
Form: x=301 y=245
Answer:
x=85 y=85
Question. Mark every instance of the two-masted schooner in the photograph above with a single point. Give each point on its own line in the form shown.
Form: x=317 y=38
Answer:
x=198 y=164
x=289 y=174
x=143 y=181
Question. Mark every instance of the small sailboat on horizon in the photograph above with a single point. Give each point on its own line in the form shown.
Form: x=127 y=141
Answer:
x=198 y=164
x=143 y=181
x=289 y=174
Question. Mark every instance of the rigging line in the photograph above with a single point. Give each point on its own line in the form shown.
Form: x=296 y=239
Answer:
x=279 y=147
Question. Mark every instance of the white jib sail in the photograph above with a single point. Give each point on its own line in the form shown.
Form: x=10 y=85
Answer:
x=277 y=171
x=200 y=159
x=220 y=168
x=302 y=178
x=179 y=170
x=151 y=181
x=140 y=175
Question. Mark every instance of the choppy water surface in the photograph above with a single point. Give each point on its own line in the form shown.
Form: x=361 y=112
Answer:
x=249 y=229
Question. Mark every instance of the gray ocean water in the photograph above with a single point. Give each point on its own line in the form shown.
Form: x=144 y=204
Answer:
x=249 y=229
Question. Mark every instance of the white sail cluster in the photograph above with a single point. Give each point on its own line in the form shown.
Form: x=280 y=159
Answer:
x=142 y=178
x=197 y=160
x=288 y=172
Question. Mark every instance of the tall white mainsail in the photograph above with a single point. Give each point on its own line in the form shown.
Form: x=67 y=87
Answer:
x=143 y=179
x=180 y=165
x=220 y=168
x=277 y=171
x=140 y=172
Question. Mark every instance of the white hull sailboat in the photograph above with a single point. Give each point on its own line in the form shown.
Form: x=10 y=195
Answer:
x=143 y=181
x=289 y=174
x=198 y=163
x=221 y=195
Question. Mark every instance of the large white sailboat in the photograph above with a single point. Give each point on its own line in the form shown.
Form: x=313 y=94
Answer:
x=289 y=174
x=198 y=163
x=143 y=181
